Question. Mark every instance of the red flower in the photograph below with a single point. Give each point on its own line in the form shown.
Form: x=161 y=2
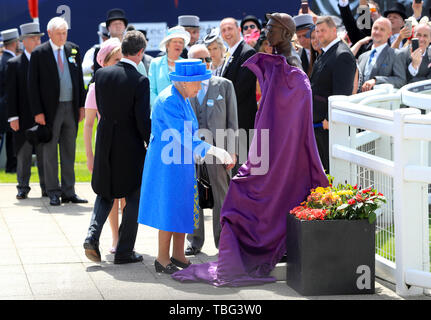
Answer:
x=351 y=201
x=355 y=187
x=380 y=194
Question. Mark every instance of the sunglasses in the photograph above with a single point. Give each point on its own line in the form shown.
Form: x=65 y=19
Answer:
x=252 y=26
x=206 y=59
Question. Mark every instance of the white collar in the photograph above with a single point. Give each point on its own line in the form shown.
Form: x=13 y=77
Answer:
x=206 y=82
x=54 y=46
x=331 y=44
x=379 y=48
x=11 y=52
x=234 y=47
x=129 y=62
x=27 y=55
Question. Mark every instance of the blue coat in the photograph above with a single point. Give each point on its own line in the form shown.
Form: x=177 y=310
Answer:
x=168 y=181
x=159 y=76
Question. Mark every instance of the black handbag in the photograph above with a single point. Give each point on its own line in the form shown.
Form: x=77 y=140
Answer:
x=206 y=199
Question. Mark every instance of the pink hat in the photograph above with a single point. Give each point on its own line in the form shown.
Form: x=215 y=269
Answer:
x=106 y=48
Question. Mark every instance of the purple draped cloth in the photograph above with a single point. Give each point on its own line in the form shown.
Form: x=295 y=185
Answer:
x=253 y=217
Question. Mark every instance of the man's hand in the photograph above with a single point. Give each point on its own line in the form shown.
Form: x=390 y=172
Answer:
x=416 y=57
x=40 y=119
x=90 y=163
x=368 y=85
x=365 y=40
x=405 y=33
x=230 y=166
x=325 y=124
x=14 y=125
x=81 y=114
x=363 y=2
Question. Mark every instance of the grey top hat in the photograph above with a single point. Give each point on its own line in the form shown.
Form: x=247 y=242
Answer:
x=188 y=21
x=103 y=31
x=10 y=35
x=30 y=29
x=303 y=21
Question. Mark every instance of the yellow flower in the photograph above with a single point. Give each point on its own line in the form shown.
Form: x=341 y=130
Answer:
x=74 y=51
x=345 y=192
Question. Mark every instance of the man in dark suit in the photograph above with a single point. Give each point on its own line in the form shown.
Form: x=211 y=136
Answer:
x=120 y=147
x=11 y=42
x=382 y=64
x=333 y=74
x=57 y=97
x=418 y=62
x=244 y=82
x=19 y=114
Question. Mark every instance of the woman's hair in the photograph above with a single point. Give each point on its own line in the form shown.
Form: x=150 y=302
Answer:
x=220 y=44
x=111 y=54
x=57 y=23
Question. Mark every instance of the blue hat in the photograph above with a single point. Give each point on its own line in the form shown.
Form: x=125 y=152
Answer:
x=189 y=70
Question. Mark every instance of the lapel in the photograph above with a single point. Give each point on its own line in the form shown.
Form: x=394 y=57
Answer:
x=51 y=62
x=321 y=61
x=381 y=60
x=212 y=94
x=234 y=57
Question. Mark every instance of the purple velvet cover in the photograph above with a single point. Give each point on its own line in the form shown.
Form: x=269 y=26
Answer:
x=253 y=217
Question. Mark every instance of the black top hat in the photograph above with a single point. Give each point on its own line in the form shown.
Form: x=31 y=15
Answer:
x=116 y=14
x=251 y=18
x=397 y=8
x=38 y=134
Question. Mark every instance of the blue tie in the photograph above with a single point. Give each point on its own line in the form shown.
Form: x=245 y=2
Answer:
x=369 y=66
x=201 y=93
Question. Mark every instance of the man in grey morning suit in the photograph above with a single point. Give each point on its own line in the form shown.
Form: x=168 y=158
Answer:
x=418 y=62
x=216 y=109
x=382 y=64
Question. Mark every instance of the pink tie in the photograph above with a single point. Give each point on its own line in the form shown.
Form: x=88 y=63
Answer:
x=60 y=61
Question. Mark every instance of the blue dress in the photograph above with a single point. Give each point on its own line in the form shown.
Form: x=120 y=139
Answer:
x=169 y=199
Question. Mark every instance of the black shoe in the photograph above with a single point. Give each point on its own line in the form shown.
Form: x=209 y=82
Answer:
x=134 y=257
x=180 y=264
x=54 y=200
x=44 y=194
x=169 y=269
x=192 y=251
x=21 y=195
x=92 y=250
x=73 y=199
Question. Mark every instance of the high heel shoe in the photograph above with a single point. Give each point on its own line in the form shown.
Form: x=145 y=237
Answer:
x=179 y=263
x=169 y=269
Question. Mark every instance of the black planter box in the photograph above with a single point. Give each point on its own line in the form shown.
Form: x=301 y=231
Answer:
x=330 y=257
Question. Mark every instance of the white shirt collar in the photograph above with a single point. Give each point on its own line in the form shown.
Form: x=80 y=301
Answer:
x=129 y=62
x=234 y=47
x=54 y=46
x=27 y=55
x=331 y=44
x=379 y=48
x=11 y=52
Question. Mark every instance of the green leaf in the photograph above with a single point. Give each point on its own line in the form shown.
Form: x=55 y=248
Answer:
x=372 y=217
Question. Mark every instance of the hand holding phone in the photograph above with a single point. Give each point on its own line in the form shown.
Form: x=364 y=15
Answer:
x=415 y=44
x=304 y=6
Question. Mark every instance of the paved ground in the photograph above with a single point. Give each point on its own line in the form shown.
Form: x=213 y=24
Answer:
x=41 y=257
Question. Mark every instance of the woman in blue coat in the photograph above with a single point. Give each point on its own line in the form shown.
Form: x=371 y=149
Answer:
x=169 y=199
x=173 y=44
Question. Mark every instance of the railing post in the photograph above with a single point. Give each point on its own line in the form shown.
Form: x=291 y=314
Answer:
x=408 y=206
x=339 y=134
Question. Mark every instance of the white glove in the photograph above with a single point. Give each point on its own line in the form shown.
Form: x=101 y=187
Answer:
x=220 y=154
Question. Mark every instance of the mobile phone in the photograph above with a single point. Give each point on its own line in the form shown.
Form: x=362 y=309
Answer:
x=415 y=44
x=418 y=1
x=304 y=6
x=408 y=24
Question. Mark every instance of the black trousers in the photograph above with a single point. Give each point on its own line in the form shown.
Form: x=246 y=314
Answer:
x=128 y=227
x=322 y=141
x=11 y=160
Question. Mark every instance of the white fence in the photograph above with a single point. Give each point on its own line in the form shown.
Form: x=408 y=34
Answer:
x=390 y=152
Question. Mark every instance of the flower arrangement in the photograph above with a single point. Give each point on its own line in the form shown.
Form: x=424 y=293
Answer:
x=340 y=202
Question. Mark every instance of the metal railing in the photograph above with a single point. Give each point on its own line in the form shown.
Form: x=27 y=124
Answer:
x=388 y=148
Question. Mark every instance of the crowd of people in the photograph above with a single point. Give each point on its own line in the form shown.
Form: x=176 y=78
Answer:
x=202 y=81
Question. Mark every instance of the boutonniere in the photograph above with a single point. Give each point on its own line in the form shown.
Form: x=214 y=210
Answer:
x=72 y=59
x=74 y=51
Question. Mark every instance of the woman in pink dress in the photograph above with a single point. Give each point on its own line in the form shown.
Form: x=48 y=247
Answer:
x=109 y=54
